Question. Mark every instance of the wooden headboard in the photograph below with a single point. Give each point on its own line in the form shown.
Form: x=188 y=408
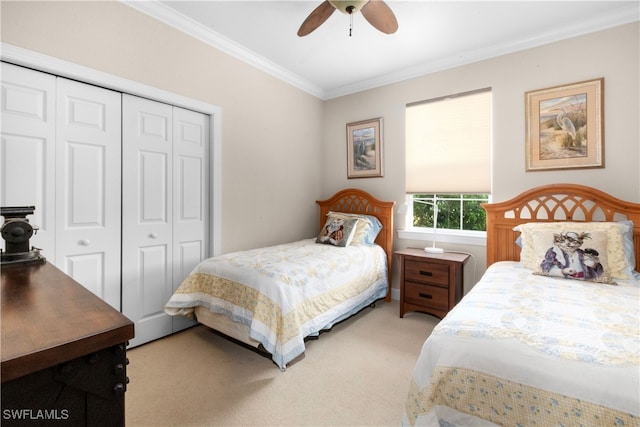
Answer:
x=553 y=203
x=352 y=200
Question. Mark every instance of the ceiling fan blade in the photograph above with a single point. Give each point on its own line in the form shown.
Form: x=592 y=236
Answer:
x=316 y=18
x=380 y=16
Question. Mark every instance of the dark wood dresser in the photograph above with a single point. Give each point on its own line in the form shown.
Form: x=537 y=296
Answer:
x=63 y=351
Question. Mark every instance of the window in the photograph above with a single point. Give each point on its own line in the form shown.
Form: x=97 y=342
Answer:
x=448 y=161
x=455 y=211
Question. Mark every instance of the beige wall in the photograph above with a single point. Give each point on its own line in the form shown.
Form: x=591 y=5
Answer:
x=271 y=131
x=282 y=148
x=612 y=54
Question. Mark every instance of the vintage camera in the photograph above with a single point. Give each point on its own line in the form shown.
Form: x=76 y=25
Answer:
x=16 y=232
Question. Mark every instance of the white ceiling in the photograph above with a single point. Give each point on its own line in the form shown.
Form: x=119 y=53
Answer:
x=432 y=35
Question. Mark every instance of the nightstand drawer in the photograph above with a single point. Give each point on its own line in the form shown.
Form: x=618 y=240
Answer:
x=427 y=296
x=426 y=272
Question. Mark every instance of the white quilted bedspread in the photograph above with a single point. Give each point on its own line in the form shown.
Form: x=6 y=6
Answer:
x=522 y=349
x=287 y=292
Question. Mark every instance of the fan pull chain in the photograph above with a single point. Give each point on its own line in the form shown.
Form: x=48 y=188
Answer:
x=350 y=24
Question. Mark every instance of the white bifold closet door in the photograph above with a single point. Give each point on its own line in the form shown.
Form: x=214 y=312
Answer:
x=191 y=197
x=165 y=203
x=28 y=150
x=61 y=143
x=88 y=182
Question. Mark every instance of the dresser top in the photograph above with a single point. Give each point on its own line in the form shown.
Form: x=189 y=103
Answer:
x=446 y=256
x=48 y=318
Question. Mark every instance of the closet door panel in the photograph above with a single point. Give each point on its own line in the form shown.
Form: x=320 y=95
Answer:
x=24 y=161
x=190 y=190
x=88 y=269
x=191 y=136
x=147 y=216
x=85 y=182
x=154 y=278
x=153 y=181
x=88 y=200
x=27 y=149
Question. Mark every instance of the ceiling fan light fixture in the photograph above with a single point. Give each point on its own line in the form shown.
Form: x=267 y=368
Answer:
x=348 y=7
x=375 y=12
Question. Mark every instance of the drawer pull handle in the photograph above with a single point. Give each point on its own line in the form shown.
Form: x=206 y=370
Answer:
x=427 y=296
x=426 y=273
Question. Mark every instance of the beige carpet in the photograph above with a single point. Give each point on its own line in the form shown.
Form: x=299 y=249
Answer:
x=354 y=375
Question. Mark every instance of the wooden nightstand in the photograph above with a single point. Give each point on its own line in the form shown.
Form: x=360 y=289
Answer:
x=430 y=283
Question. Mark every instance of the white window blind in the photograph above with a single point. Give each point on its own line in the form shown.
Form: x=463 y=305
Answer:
x=448 y=144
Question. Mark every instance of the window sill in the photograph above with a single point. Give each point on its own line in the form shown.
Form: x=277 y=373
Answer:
x=474 y=238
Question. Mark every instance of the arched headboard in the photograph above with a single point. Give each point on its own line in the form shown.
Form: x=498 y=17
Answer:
x=553 y=203
x=352 y=200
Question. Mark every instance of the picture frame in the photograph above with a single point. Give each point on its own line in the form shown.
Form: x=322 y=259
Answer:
x=565 y=126
x=364 y=149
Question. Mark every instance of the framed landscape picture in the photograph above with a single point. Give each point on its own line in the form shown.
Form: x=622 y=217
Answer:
x=364 y=149
x=564 y=126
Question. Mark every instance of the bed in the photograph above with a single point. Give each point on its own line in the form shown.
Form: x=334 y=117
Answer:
x=538 y=340
x=274 y=298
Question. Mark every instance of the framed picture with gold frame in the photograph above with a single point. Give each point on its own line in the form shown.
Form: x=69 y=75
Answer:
x=565 y=126
x=364 y=149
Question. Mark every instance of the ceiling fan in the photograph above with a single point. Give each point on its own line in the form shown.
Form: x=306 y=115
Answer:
x=376 y=12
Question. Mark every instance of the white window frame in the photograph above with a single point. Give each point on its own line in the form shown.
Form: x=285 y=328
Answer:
x=444 y=235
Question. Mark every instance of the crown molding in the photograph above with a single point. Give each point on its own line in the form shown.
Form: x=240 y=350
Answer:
x=170 y=17
x=616 y=18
